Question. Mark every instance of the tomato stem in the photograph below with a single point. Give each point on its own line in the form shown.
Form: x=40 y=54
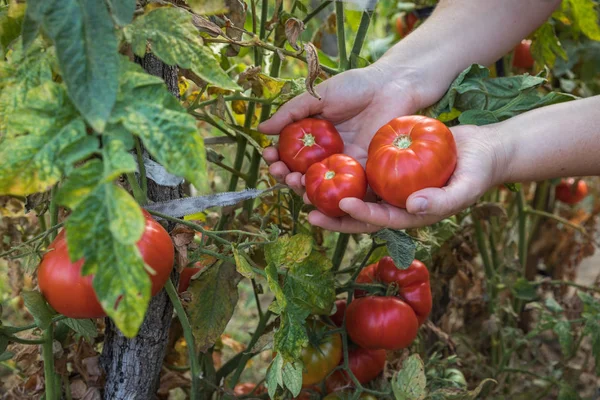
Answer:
x=402 y=142
x=329 y=174
x=48 y=355
x=308 y=140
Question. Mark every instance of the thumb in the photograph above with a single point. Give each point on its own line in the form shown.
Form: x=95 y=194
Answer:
x=298 y=108
x=442 y=201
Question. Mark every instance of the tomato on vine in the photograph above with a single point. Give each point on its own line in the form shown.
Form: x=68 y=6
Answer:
x=333 y=179
x=365 y=364
x=186 y=275
x=522 y=57
x=322 y=354
x=340 y=309
x=409 y=154
x=72 y=294
x=406 y=23
x=305 y=142
x=569 y=192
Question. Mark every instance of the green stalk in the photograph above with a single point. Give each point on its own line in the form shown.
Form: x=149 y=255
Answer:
x=317 y=10
x=363 y=28
x=19 y=340
x=141 y=166
x=138 y=194
x=189 y=338
x=262 y=324
x=41 y=236
x=487 y=263
x=340 y=250
x=341 y=35
x=522 y=231
x=48 y=354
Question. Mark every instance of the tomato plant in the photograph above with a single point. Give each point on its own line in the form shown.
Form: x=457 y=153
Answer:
x=321 y=356
x=186 y=277
x=365 y=364
x=406 y=23
x=340 y=309
x=381 y=322
x=244 y=388
x=570 y=192
x=333 y=179
x=522 y=57
x=305 y=142
x=72 y=294
x=409 y=154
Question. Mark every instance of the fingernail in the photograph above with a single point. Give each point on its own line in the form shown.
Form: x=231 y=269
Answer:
x=419 y=205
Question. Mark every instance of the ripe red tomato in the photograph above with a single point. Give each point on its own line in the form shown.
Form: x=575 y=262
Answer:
x=522 y=57
x=569 y=193
x=247 y=387
x=186 y=277
x=413 y=283
x=338 y=317
x=72 y=295
x=308 y=141
x=411 y=21
x=403 y=28
x=365 y=364
x=333 y=179
x=321 y=356
x=409 y=154
x=376 y=322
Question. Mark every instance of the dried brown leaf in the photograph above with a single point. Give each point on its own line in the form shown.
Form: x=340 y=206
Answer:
x=314 y=69
x=293 y=29
x=237 y=17
x=182 y=236
x=487 y=210
x=205 y=25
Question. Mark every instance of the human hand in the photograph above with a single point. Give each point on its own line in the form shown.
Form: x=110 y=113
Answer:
x=481 y=164
x=357 y=102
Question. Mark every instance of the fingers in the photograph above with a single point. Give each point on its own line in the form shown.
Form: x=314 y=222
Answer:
x=385 y=215
x=299 y=107
x=345 y=224
x=271 y=155
x=294 y=181
x=442 y=201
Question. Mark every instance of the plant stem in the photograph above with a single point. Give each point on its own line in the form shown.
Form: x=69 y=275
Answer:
x=230 y=169
x=360 y=37
x=189 y=338
x=42 y=236
x=262 y=323
x=192 y=225
x=138 y=194
x=317 y=10
x=483 y=250
x=48 y=354
x=53 y=209
x=560 y=219
x=569 y=283
x=19 y=340
x=340 y=250
x=141 y=166
x=522 y=231
x=341 y=35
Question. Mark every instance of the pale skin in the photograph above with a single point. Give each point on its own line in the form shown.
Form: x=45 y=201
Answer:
x=555 y=141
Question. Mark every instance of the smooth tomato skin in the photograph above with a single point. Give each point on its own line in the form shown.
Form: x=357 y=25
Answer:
x=338 y=317
x=320 y=361
x=413 y=283
x=376 y=322
x=73 y=295
x=186 y=277
x=428 y=159
x=567 y=193
x=365 y=364
x=522 y=57
x=333 y=179
x=296 y=150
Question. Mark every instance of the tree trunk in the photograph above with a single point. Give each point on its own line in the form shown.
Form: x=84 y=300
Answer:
x=133 y=366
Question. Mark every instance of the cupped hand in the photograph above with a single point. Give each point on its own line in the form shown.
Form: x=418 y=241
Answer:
x=357 y=102
x=481 y=164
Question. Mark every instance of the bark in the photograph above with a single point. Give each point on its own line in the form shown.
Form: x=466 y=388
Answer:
x=133 y=366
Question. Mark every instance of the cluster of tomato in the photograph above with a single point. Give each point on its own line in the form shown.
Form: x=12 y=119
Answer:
x=73 y=295
x=374 y=323
x=406 y=155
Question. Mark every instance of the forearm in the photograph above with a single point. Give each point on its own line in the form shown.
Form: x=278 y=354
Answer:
x=460 y=33
x=550 y=142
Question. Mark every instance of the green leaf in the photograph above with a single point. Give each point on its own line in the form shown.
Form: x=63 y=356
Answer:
x=485 y=100
x=121 y=10
x=83 y=327
x=431 y=238
x=53 y=139
x=524 y=290
x=146 y=109
x=274 y=377
x=215 y=296
x=565 y=337
x=241 y=264
x=86 y=45
x=585 y=17
x=80 y=183
x=553 y=305
x=459 y=394
x=10 y=25
x=567 y=392
x=6 y=356
x=208 y=7
x=3 y=344
x=409 y=383
x=513 y=187
x=288 y=251
x=176 y=41
x=37 y=306
x=310 y=285
x=292 y=377
x=592 y=328
x=110 y=218
x=545 y=46
x=400 y=246
x=117 y=160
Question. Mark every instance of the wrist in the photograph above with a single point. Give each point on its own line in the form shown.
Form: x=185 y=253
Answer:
x=503 y=152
